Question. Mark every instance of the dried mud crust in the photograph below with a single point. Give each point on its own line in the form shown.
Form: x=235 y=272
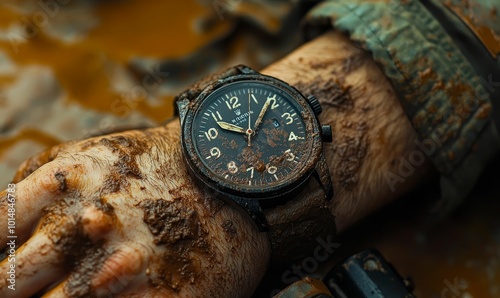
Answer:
x=350 y=142
x=178 y=228
x=126 y=167
x=81 y=255
x=229 y=229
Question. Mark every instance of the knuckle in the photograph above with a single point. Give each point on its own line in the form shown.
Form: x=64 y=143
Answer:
x=60 y=176
x=96 y=223
x=34 y=163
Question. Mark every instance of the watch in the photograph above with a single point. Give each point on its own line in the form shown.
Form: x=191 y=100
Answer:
x=256 y=142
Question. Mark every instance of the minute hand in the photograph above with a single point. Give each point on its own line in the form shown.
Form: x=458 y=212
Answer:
x=231 y=127
x=258 y=122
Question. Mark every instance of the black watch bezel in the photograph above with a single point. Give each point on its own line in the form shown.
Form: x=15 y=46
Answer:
x=285 y=190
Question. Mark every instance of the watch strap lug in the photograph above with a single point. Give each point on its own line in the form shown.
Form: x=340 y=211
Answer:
x=181 y=108
x=243 y=69
x=195 y=89
x=322 y=175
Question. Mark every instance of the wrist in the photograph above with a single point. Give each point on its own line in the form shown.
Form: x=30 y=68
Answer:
x=371 y=133
x=241 y=252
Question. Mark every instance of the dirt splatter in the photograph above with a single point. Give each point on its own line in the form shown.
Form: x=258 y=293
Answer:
x=177 y=227
x=351 y=150
x=229 y=229
x=79 y=282
x=251 y=156
x=113 y=183
x=353 y=62
x=180 y=270
x=329 y=92
x=213 y=205
x=172 y=221
x=62 y=222
x=319 y=65
x=61 y=179
x=127 y=150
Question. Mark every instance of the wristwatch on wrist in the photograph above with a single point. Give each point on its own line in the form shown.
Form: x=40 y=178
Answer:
x=256 y=141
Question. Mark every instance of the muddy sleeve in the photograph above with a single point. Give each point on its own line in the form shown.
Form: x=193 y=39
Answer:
x=446 y=75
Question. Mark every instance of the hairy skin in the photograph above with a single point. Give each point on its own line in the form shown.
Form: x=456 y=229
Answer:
x=119 y=215
x=370 y=129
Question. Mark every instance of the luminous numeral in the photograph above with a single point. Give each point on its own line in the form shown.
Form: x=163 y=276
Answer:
x=251 y=172
x=232 y=168
x=272 y=101
x=293 y=137
x=289 y=118
x=272 y=170
x=211 y=134
x=289 y=155
x=214 y=152
x=217 y=117
x=233 y=103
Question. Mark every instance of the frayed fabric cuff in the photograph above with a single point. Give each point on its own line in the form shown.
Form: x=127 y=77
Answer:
x=437 y=86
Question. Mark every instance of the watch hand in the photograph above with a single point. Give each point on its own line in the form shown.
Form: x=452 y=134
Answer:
x=249 y=130
x=231 y=127
x=261 y=115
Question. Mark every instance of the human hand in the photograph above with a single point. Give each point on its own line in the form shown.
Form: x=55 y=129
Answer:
x=118 y=216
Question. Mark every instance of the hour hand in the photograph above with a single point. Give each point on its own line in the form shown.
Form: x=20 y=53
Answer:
x=230 y=127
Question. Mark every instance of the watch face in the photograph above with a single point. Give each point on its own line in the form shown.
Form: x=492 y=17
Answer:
x=252 y=135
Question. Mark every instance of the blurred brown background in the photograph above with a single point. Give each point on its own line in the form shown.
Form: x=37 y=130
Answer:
x=72 y=69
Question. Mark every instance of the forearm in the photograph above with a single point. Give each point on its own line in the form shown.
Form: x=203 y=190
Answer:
x=371 y=133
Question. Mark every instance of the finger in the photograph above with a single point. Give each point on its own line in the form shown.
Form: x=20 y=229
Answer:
x=35 y=264
x=33 y=194
x=96 y=223
x=116 y=272
x=35 y=162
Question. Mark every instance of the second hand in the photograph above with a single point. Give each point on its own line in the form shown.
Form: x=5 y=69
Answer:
x=249 y=130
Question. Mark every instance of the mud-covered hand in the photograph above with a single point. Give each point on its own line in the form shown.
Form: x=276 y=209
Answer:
x=118 y=215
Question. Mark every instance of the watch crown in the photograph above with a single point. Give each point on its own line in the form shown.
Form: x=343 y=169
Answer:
x=326 y=133
x=315 y=105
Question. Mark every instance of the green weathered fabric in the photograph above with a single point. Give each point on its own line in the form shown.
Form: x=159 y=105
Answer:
x=463 y=23
x=439 y=88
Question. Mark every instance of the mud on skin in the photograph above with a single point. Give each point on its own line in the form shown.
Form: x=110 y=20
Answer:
x=62 y=222
x=178 y=228
x=350 y=144
x=126 y=150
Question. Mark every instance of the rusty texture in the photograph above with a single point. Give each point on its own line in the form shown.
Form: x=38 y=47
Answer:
x=438 y=88
x=202 y=89
x=481 y=18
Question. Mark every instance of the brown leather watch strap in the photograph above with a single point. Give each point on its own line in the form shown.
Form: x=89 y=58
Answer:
x=303 y=225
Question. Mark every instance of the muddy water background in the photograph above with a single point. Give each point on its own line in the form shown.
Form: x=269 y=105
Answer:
x=74 y=76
